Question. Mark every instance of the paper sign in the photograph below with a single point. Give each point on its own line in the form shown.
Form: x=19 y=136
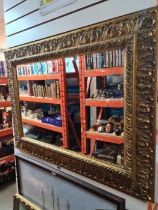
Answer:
x=48 y=6
x=45 y=2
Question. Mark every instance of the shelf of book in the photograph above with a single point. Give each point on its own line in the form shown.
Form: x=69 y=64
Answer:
x=5 y=104
x=7 y=159
x=113 y=103
x=3 y=81
x=6 y=132
x=105 y=137
x=38 y=93
x=92 y=66
x=40 y=77
x=42 y=125
x=40 y=100
x=104 y=72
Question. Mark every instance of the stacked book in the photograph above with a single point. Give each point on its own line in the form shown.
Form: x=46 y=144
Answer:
x=2 y=69
x=47 y=90
x=113 y=58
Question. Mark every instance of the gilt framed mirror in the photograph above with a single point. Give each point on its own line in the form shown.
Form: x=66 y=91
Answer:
x=103 y=127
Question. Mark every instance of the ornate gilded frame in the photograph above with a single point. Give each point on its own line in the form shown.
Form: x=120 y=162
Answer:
x=136 y=33
x=19 y=199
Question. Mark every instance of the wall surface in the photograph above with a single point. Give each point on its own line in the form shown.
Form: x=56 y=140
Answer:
x=2 y=30
x=25 y=24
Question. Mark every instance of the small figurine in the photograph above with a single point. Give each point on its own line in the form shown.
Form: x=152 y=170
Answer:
x=119 y=92
x=95 y=94
x=5 y=122
x=94 y=128
x=102 y=94
x=117 y=131
x=8 y=98
x=1 y=97
x=23 y=111
x=29 y=113
x=109 y=127
x=108 y=93
x=40 y=114
x=101 y=129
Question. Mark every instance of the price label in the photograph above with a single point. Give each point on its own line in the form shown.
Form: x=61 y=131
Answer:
x=45 y=2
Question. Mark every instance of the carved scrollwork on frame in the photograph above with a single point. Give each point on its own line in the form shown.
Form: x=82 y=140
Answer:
x=136 y=34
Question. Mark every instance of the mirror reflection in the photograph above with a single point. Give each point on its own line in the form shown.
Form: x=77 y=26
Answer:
x=76 y=103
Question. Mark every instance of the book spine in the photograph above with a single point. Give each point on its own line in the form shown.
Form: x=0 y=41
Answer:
x=32 y=69
x=104 y=60
x=98 y=61
x=117 y=58
x=89 y=61
x=54 y=66
x=114 y=58
x=3 y=72
x=49 y=65
x=120 y=57
x=33 y=89
x=107 y=59
x=46 y=91
x=110 y=61
x=30 y=88
x=94 y=60
x=0 y=69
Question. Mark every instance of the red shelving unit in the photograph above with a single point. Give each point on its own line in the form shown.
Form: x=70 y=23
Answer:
x=85 y=80
x=7 y=159
x=61 y=77
x=3 y=80
x=40 y=100
x=104 y=72
x=6 y=132
x=40 y=77
x=104 y=137
x=42 y=125
x=6 y=135
x=115 y=103
x=5 y=104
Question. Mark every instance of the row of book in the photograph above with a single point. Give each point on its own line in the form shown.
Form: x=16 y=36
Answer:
x=4 y=94
x=48 y=67
x=47 y=90
x=3 y=72
x=113 y=58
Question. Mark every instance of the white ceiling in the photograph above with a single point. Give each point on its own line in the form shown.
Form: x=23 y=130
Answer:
x=2 y=29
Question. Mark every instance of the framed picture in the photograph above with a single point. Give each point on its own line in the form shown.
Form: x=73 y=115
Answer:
x=53 y=189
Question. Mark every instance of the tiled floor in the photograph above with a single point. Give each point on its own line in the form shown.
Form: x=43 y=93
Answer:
x=6 y=196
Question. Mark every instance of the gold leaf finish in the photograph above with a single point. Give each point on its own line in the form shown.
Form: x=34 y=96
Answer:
x=136 y=34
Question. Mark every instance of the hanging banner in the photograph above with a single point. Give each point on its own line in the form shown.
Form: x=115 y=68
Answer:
x=48 y=6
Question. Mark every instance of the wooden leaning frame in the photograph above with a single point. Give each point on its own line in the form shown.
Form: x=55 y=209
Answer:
x=19 y=199
x=78 y=183
x=136 y=34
